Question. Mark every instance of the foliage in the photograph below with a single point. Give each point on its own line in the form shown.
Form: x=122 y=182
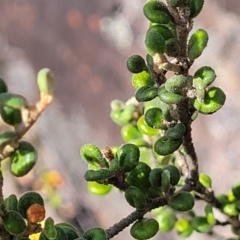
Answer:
x=157 y=166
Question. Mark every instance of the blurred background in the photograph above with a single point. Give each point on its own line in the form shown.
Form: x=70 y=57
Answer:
x=86 y=44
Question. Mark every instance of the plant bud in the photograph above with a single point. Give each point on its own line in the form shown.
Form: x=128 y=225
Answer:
x=135 y=197
x=136 y=64
x=205 y=180
x=45 y=81
x=157 y=12
x=168 y=97
x=181 y=201
x=154 y=118
x=23 y=159
x=144 y=228
x=14 y=223
x=214 y=99
x=164 y=146
x=209 y=214
x=165 y=179
x=176 y=131
x=146 y=93
x=197 y=42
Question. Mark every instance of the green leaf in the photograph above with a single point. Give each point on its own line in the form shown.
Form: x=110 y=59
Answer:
x=144 y=228
x=135 y=197
x=236 y=190
x=201 y=225
x=168 y=97
x=206 y=74
x=11 y=203
x=99 y=189
x=154 y=118
x=195 y=7
x=155 y=177
x=23 y=159
x=95 y=234
x=165 y=146
x=142 y=79
x=69 y=230
x=183 y=227
x=14 y=223
x=136 y=64
x=154 y=42
x=166 y=219
x=128 y=155
x=214 y=99
x=157 y=12
x=49 y=229
x=45 y=81
x=174 y=174
x=176 y=132
x=129 y=132
x=139 y=177
x=181 y=201
x=7 y=137
x=173 y=47
x=146 y=93
x=145 y=128
x=205 y=180
x=98 y=175
x=177 y=83
x=13 y=101
x=11 y=116
x=197 y=42
x=164 y=31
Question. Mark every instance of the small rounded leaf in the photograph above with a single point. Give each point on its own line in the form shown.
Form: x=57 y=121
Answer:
x=145 y=128
x=205 y=180
x=214 y=99
x=209 y=214
x=206 y=74
x=142 y=79
x=195 y=7
x=7 y=137
x=11 y=100
x=95 y=234
x=182 y=201
x=128 y=155
x=146 y=93
x=165 y=146
x=23 y=159
x=144 y=228
x=173 y=47
x=154 y=42
x=183 y=227
x=154 y=118
x=176 y=131
x=176 y=84
x=163 y=30
x=28 y=199
x=11 y=203
x=197 y=42
x=45 y=81
x=91 y=154
x=231 y=209
x=168 y=97
x=69 y=230
x=174 y=174
x=49 y=229
x=201 y=225
x=98 y=189
x=155 y=177
x=139 y=177
x=135 y=197
x=11 y=116
x=156 y=12
x=129 y=132
x=166 y=219
x=98 y=175
x=136 y=64
x=14 y=223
